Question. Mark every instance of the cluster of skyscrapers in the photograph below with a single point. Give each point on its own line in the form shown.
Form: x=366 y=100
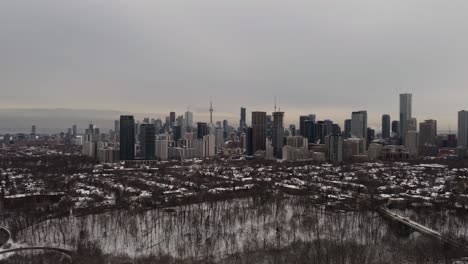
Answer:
x=267 y=137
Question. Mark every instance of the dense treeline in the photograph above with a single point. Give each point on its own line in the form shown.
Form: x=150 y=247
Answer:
x=275 y=229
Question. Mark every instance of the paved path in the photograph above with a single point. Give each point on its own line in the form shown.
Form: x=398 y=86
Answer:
x=66 y=253
x=4 y=236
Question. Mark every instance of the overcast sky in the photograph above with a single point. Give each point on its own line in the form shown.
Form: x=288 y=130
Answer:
x=317 y=56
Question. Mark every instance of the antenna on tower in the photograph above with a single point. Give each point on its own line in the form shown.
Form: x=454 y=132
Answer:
x=275 y=103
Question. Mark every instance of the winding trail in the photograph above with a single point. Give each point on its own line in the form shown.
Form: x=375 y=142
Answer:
x=66 y=253
x=5 y=236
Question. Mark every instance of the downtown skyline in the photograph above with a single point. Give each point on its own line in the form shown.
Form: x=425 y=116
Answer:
x=105 y=120
x=316 y=57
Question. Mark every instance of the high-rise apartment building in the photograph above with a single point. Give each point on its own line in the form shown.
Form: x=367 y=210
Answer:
x=278 y=134
x=359 y=124
x=202 y=130
x=259 y=131
x=177 y=134
x=172 y=118
x=370 y=134
x=74 y=131
x=405 y=115
x=127 y=137
x=249 y=142
x=396 y=127
x=310 y=131
x=386 y=126
x=219 y=137
x=428 y=133
x=302 y=120
x=148 y=140
x=463 y=129
x=243 y=121
x=188 y=120
x=334 y=145
x=347 y=128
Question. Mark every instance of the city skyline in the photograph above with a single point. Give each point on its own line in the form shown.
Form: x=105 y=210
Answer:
x=239 y=131
x=177 y=58
x=374 y=120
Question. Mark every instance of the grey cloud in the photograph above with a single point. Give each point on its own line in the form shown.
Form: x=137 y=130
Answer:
x=327 y=57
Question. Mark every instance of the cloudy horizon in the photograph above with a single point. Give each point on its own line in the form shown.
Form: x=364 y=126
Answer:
x=323 y=57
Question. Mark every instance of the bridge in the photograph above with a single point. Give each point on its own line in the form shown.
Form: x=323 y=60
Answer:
x=422 y=229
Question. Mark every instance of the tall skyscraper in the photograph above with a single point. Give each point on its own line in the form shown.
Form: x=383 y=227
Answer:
x=302 y=120
x=242 y=123
x=310 y=131
x=328 y=128
x=259 y=131
x=249 y=142
x=127 y=137
x=226 y=128
x=463 y=129
x=202 y=130
x=359 y=124
x=347 y=128
x=172 y=118
x=269 y=126
x=148 y=141
x=159 y=125
x=405 y=115
x=74 y=131
x=278 y=134
x=370 y=134
x=320 y=128
x=33 y=130
x=385 y=126
x=336 y=129
x=188 y=119
x=428 y=133
x=396 y=127
x=219 y=137
x=180 y=121
x=177 y=134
